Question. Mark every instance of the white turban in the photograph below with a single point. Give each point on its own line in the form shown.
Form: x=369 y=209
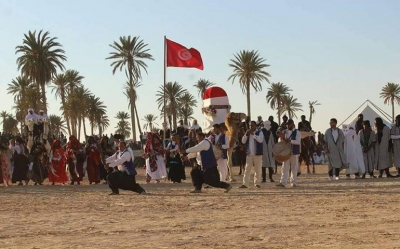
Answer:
x=267 y=125
x=351 y=130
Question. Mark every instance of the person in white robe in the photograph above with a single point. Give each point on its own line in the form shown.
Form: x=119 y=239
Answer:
x=34 y=117
x=195 y=126
x=42 y=116
x=354 y=154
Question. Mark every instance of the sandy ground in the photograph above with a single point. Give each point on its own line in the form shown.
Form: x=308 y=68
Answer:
x=317 y=214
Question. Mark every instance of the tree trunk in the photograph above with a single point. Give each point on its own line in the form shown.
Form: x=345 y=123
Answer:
x=100 y=130
x=174 y=117
x=79 y=127
x=133 y=120
x=392 y=110
x=248 y=98
x=138 y=121
x=310 y=115
x=84 y=127
x=279 y=113
x=44 y=99
x=66 y=116
x=170 y=121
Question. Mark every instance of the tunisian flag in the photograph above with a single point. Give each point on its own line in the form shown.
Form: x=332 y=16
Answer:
x=180 y=56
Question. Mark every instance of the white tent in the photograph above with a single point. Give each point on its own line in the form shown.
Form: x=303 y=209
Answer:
x=370 y=113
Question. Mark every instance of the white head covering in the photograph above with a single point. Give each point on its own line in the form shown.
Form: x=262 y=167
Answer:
x=267 y=125
x=41 y=111
x=351 y=130
x=30 y=109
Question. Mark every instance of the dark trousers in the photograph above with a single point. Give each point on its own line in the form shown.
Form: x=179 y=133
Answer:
x=121 y=180
x=264 y=173
x=330 y=172
x=207 y=176
x=370 y=173
x=386 y=172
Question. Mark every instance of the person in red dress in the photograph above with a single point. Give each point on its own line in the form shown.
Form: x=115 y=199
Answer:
x=57 y=172
x=93 y=161
x=75 y=159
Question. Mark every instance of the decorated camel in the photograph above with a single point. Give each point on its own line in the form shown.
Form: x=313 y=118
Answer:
x=232 y=123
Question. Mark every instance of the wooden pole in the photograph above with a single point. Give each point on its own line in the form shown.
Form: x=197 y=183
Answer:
x=165 y=82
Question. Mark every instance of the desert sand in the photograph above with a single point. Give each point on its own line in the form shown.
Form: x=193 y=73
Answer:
x=316 y=214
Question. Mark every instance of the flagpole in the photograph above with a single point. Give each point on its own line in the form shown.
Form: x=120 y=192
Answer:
x=165 y=80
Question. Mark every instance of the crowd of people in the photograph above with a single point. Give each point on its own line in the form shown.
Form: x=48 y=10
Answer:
x=360 y=150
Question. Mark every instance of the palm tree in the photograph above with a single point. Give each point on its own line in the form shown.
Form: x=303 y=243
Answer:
x=275 y=95
x=123 y=128
x=122 y=115
x=4 y=115
x=173 y=91
x=248 y=67
x=202 y=85
x=40 y=58
x=150 y=121
x=186 y=102
x=25 y=94
x=130 y=54
x=10 y=125
x=61 y=89
x=18 y=87
x=73 y=79
x=102 y=123
x=57 y=125
x=186 y=114
x=131 y=94
x=311 y=105
x=390 y=94
x=96 y=110
x=290 y=105
x=83 y=95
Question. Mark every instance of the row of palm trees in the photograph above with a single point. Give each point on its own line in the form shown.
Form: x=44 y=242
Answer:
x=282 y=101
x=40 y=61
x=79 y=104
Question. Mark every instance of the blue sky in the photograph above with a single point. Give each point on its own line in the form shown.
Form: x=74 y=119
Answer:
x=338 y=52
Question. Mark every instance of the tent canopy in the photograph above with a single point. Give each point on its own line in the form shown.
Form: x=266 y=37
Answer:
x=370 y=113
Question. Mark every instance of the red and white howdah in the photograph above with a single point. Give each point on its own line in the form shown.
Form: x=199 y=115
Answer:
x=215 y=107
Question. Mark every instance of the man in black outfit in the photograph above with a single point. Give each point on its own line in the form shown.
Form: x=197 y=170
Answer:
x=208 y=173
x=124 y=176
x=304 y=125
x=274 y=128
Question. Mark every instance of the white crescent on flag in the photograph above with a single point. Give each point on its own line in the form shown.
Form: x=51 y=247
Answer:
x=184 y=54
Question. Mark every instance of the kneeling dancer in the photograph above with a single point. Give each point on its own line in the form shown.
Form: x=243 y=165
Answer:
x=124 y=177
x=208 y=173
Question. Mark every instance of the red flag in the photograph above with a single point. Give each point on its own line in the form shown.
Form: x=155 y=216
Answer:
x=180 y=56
